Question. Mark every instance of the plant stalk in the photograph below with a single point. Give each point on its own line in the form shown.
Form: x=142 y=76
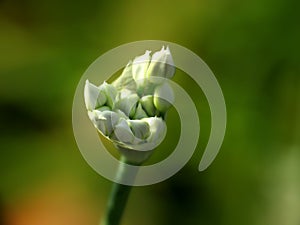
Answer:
x=119 y=195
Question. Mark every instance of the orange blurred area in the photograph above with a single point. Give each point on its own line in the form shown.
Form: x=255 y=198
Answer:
x=53 y=204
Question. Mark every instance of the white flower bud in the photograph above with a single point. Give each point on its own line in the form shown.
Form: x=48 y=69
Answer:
x=163 y=97
x=161 y=65
x=125 y=80
x=94 y=96
x=139 y=67
x=158 y=130
x=140 y=129
x=127 y=140
x=110 y=92
x=128 y=104
x=121 y=114
x=125 y=111
x=123 y=132
x=104 y=121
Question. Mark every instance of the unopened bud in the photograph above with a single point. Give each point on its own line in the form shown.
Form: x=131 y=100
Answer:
x=163 y=97
x=123 y=132
x=104 y=121
x=125 y=80
x=110 y=92
x=148 y=105
x=140 y=129
x=94 y=96
x=128 y=104
x=126 y=111
x=161 y=65
x=139 y=112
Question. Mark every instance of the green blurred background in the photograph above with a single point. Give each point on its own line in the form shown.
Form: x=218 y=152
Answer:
x=252 y=47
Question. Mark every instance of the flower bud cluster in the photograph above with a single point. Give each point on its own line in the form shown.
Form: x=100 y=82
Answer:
x=130 y=111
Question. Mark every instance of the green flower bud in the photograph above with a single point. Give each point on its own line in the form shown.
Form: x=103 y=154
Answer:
x=94 y=96
x=103 y=108
x=163 y=97
x=148 y=105
x=139 y=113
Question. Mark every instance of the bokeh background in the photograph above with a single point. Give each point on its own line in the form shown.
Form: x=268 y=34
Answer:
x=252 y=47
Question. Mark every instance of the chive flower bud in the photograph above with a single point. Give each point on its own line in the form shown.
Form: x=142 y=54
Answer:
x=129 y=110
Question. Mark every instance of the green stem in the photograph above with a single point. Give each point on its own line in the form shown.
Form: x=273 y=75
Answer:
x=119 y=196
